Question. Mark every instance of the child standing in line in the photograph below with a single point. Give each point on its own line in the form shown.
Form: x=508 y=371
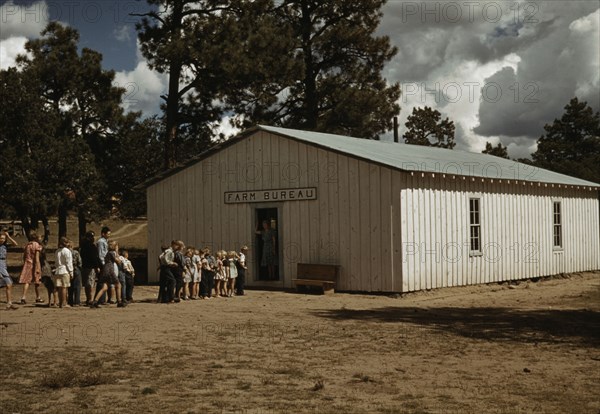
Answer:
x=232 y=272
x=220 y=275
x=178 y=271
x=75 y=288
x=64 y=271
x=208 y=274
x=109 y=276
x=188 y=276
x=162 y=279
x=5 y=279
x=47 y=279
x=129 y=276
x=197 y=274
x=241 y=267
x=121 y=275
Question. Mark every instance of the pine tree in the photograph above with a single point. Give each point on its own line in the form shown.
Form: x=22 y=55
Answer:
x=334 y=82
x=498 y=151
x=426 y=127
x=571 y=144
x=178 y=37
x=79 y=95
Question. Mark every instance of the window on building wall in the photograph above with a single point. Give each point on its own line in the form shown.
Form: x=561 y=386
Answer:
x=557 y=225
x=475 y=224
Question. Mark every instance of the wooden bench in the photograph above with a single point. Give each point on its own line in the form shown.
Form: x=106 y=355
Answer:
x=320 y=275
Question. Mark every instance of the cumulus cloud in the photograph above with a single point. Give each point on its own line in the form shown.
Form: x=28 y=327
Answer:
x=525 y=60
x=18 y=23
x=122 y=33
x=143 y=87
x=225 y=128
x=22 y=20
x=562 y=65
x=9 y=50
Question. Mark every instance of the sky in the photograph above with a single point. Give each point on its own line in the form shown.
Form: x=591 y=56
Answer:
x=500 y=70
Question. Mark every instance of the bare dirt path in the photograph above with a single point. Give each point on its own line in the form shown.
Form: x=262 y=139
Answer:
x=533 y=348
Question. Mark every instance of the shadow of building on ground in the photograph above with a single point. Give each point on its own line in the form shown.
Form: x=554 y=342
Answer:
x=489 y=323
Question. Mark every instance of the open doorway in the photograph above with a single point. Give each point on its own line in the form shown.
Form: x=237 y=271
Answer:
x=266 y=253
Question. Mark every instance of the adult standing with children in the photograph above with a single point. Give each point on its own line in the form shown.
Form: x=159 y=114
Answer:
x=102 y=246
x=167 y=277
x=109 y=275
x=32 y=270
x=90 y=266
x=240 y=282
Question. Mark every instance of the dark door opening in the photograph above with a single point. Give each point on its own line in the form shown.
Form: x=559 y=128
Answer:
x=266 y=253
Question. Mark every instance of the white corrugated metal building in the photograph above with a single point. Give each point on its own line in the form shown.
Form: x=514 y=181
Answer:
x=395 y=218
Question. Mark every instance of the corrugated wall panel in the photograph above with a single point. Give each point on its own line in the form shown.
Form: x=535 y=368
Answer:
x=516 y=231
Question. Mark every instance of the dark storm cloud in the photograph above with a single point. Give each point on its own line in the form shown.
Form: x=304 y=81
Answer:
x=554 y=43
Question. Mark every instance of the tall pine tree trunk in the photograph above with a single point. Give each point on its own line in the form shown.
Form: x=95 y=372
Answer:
x=62 y=220
x=311 y=101
x=46 y=230
x=82 y=223
x=26 y=224
x=173 y=93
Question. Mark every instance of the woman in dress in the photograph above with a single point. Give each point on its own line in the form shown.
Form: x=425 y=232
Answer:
x=5 y=279
x=32 y=269
x=269 y=248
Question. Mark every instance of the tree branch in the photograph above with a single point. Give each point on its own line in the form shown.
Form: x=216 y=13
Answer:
x=152 y=14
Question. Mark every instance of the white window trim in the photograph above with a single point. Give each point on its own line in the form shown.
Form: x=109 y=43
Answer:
x=477 y=196
x=561 y=248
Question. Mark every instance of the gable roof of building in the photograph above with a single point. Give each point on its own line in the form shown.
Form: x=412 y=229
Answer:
x=408 y=158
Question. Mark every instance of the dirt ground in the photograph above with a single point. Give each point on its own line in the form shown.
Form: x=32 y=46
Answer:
x=531 y=348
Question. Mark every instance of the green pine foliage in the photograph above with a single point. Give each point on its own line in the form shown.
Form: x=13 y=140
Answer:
x=571 y=144
x=66 y=143
x=425 y=126
x=498 y=150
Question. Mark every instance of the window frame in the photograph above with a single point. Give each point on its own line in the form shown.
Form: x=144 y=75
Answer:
x=475 y=225
x=557 y=225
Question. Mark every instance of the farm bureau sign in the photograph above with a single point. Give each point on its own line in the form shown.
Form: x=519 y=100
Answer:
x=261 y=196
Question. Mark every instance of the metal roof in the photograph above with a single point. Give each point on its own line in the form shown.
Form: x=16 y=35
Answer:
x=410 y=158
x=418 y=158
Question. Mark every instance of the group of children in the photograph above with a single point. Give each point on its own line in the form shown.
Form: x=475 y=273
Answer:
x=100 y=267
x=102 y=270
x=191 y=274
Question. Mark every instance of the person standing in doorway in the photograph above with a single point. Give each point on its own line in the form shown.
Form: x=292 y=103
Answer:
x=269 y=250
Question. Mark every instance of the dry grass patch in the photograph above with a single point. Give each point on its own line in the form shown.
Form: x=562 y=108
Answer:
x=69 y=377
